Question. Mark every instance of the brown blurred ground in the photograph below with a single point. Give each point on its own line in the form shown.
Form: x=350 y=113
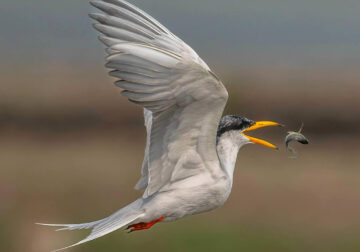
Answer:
x=71 y=149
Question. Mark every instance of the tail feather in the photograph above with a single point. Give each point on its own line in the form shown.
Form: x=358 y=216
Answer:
x=73 y=226
x=104 y=226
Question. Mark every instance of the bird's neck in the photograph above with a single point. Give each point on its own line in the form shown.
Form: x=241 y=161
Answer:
x=228 y=146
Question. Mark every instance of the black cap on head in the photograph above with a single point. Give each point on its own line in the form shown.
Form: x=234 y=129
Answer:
x=233 y=122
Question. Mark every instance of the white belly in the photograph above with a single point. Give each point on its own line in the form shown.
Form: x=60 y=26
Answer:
x=179 y=203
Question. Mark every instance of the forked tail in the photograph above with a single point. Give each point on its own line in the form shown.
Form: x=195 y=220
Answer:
x=107 y=225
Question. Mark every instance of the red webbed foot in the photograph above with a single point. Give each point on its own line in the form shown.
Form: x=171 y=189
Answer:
x=143 y=225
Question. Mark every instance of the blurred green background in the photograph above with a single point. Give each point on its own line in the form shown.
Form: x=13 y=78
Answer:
x=71 y=147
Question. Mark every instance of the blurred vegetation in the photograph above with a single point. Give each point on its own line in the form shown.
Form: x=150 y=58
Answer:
x=71 y=149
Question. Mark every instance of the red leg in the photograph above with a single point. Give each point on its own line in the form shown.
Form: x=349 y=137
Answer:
x=143 y=225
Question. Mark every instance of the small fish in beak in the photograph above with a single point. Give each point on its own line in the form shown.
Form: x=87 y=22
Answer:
x=295 y=136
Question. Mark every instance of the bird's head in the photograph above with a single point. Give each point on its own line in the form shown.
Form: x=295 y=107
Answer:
x=236 y=128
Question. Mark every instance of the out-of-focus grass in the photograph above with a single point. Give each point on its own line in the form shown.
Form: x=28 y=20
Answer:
x=201 y=236
x=71 y=150
x=277 y=204
x=215 y=236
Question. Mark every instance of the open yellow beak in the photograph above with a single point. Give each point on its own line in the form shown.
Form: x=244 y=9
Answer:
x=258 y=125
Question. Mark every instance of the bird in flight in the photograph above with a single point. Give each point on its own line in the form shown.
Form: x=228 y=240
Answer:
x=191 y=149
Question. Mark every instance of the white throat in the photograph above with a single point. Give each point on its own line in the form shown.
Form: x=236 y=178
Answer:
x=228 y=147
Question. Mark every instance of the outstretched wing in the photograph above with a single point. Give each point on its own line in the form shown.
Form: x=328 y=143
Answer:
x=183 y=100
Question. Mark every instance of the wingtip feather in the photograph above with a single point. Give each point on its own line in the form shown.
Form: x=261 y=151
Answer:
x=95 y=3
x=96 y=16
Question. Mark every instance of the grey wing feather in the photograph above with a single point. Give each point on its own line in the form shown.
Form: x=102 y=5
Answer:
x=183 y=101
x=123 y=22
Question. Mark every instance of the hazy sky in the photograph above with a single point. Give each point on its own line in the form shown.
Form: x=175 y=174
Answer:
x=240 y=32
